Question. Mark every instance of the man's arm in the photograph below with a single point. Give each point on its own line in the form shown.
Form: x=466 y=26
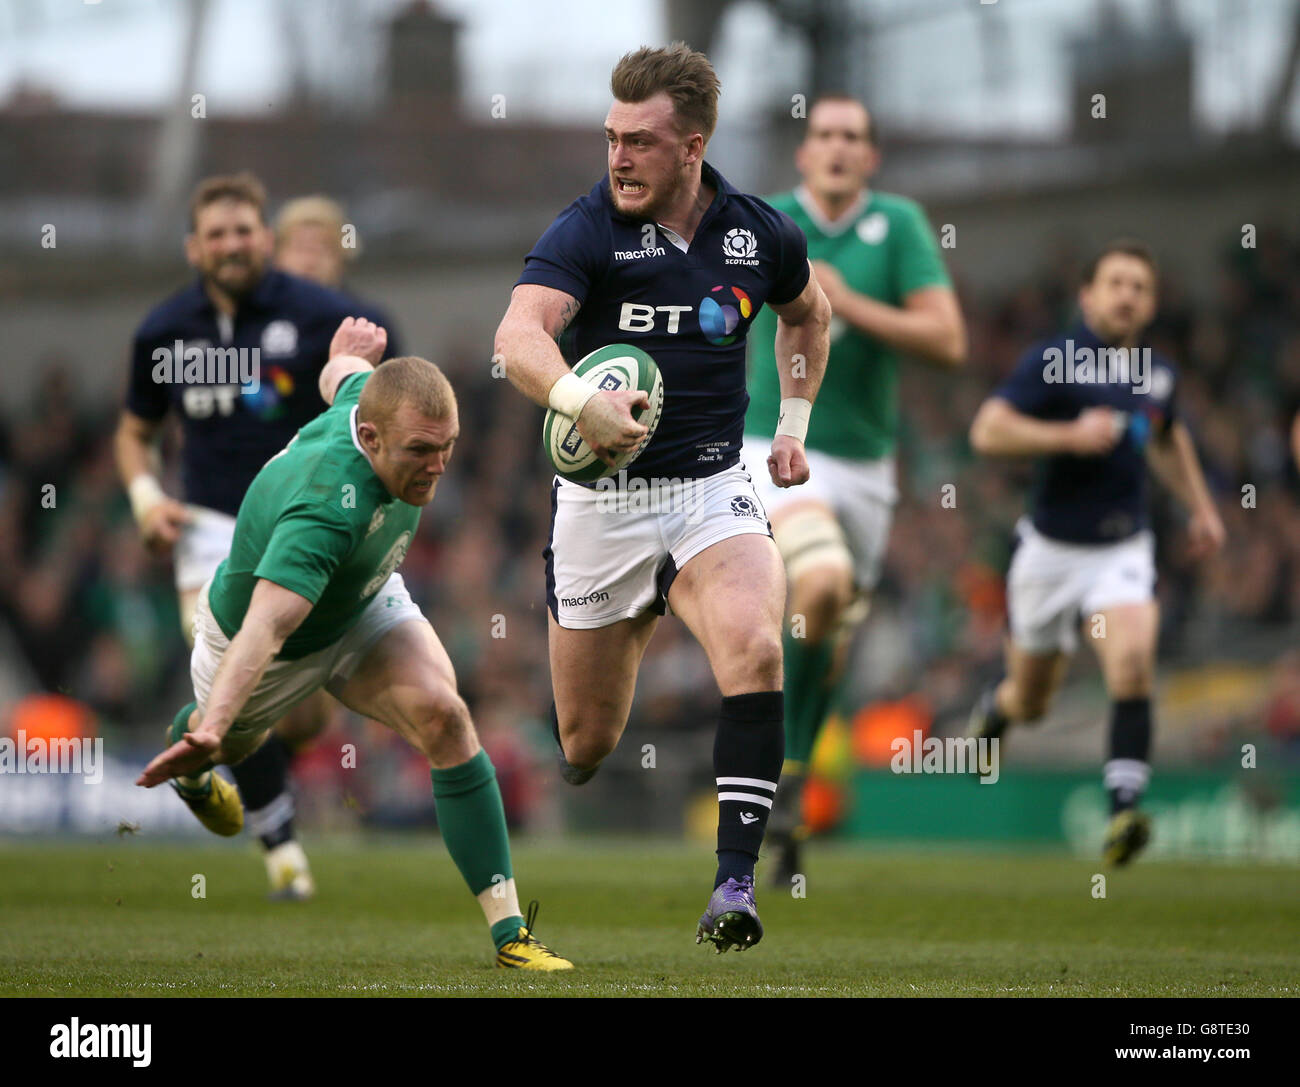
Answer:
x=273 y=614
x=160 y=518
x=1172 y=456
x=336 y=370
x=802 y=347
x=999 y=430
x=928 y=325
x=526 y=346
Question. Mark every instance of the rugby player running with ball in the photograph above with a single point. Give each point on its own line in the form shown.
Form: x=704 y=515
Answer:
x=665 y=255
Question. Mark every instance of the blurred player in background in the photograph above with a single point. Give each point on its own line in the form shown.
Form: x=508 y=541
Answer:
x=1097 y=417
x=229 y=431
x=308 y=599
x=313 y=240
x=309 y=240
x=879 y=264
x=663 y=253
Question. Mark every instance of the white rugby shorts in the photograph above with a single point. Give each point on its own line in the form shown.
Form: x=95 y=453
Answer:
x=204 y=541
x=614 y=553
x=862 y=494
x=286 y=683
x=1052 y=586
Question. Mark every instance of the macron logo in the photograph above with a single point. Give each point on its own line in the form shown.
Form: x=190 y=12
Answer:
x=748 y=817
x=639 y=254
x=77 y=1039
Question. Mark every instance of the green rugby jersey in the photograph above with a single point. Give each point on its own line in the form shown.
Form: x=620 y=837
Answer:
x=884 y=249
x=317 y=521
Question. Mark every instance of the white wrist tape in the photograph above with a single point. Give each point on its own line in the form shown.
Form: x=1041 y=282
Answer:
x=145 y=492
x=570 y=394
x=794 y=416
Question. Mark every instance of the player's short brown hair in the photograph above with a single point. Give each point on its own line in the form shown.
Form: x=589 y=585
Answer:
x=406 y=380
x=1129 y=247
x=843 y=96
x=685 y=75
x=243 y=188
x=315 y=210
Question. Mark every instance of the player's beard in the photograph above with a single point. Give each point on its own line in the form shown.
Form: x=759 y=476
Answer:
x=654 y=209
x=1116 y=327
x=238 y=287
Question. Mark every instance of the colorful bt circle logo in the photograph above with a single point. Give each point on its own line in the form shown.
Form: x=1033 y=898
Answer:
x=719 y=317
x=268 y=401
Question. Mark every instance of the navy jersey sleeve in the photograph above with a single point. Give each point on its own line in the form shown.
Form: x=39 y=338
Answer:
x=570 y=256
x=792 y=262
x=1026 y=388
x=145 y=397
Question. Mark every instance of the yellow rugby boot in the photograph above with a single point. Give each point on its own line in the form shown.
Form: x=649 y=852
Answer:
x=528 y=952
x=216 y=805
x=1126 y=836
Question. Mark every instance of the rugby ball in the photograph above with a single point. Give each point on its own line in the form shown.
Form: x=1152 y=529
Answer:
x=618 y=366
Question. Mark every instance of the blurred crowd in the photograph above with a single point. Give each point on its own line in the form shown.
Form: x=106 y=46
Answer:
x=86 y=612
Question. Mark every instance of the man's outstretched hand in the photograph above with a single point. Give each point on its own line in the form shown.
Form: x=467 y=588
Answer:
x=357 y=336
x=186 y=756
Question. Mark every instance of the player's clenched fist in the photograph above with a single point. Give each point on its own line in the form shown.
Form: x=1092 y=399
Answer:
x=160 y=525
x=357 y=336
x=1205 y=533
x=787 y=464
x=606 y=422
x=1096 y=432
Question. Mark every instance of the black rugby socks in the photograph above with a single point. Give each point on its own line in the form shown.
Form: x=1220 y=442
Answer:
x=1128 y=769
x=747 y=754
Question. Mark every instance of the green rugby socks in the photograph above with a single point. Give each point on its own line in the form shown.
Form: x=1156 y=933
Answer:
x=473 y=824
x=807 y=693
x=807 y=700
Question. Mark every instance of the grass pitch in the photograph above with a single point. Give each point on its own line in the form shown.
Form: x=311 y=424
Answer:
x=393 y=918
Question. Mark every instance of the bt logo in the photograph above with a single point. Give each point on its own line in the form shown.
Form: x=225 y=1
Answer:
x=720 y=314
x=637 y=318
x=202 y=401
x=268 y=401
x=719 y=318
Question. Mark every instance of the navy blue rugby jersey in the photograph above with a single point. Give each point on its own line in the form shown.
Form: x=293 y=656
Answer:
x=232 y=426
x=1092 y=500
x=690 y=310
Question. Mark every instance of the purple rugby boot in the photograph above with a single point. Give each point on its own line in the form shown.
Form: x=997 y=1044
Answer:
x=731 y=918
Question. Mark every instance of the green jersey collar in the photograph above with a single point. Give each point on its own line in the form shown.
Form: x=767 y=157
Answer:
x=352 y=423
x=832 y=228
